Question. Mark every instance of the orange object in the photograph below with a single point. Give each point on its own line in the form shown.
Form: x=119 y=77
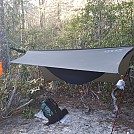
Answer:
x=1 y=70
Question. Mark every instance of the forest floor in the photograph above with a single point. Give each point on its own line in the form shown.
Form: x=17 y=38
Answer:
x=98 y=121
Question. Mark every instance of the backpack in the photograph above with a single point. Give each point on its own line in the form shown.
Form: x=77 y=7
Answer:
x=49 y=108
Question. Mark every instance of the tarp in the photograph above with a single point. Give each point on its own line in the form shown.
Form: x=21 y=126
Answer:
x=81 y=65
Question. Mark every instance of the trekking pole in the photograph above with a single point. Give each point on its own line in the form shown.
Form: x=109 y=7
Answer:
x=121 y=98
x=117 y=112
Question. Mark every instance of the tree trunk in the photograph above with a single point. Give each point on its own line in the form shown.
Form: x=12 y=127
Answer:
x=22 y=22
x=1 y=20
x=42 y=4
x=3 y=47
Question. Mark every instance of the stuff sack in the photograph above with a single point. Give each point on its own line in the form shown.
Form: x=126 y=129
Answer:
x=50 y=108
x=58 y=116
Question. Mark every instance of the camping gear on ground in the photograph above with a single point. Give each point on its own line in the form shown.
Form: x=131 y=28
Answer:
x=82 y=65
x=40 y=115
x=52 y=111
x=49 y=107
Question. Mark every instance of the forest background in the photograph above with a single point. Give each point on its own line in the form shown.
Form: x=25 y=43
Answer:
x=58 y=25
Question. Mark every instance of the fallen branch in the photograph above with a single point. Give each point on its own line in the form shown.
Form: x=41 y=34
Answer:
x=94 y=94
x=17 y=109
x=10 y=101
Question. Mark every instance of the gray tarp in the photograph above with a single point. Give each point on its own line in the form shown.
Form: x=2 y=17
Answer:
x=109 y=61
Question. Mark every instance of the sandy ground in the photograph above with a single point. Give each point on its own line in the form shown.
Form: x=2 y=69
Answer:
x=77 y=122
x=98 y=121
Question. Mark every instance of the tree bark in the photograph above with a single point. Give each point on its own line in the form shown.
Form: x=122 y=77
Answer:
x=22 y=22
x=3 y=40
x=1 y=18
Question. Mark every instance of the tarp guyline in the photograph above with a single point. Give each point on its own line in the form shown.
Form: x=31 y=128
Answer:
x=82 y=65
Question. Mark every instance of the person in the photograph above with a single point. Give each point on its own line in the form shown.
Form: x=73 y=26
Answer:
x=121 y=83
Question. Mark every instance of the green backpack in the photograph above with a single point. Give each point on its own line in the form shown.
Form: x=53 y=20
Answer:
x=49 y=107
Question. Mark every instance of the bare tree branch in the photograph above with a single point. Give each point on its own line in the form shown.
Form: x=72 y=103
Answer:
x=10 y=101
x=18 y=108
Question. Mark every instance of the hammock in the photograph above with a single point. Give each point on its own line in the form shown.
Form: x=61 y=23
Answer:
x=82 y=65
